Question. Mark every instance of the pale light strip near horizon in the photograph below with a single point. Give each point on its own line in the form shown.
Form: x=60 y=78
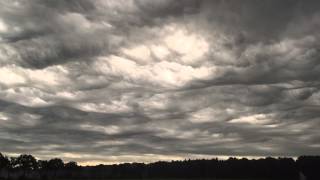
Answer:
x=111 y=81
x=146 y=158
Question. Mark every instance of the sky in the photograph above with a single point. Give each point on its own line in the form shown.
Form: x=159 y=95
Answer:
x=110 y=81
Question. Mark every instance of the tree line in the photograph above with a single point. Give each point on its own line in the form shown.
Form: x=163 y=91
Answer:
x=28 y=167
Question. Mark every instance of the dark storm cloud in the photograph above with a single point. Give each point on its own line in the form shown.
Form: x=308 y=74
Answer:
x=114 y=81
x=45 y=33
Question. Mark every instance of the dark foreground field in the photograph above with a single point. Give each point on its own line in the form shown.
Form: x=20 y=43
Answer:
x=28 y=167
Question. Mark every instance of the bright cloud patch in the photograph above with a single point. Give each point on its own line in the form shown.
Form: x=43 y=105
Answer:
x=10 y=77
x=167 y=74
x=3 y=117
x=257 y=119
x=3 y=27
x=140 y=53
x=191 y=47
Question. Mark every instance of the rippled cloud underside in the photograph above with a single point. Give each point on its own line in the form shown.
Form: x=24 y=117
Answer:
x=123 y=80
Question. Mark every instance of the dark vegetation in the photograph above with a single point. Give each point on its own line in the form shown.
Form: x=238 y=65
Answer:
x=28 y=167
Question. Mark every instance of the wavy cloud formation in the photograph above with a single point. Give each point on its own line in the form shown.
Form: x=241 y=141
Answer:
x=138 y=80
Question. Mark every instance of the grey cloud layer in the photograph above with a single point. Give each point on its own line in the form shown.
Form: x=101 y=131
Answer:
x=111 y=81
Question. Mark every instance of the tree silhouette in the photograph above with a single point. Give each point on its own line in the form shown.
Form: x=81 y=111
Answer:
x=25 y=163
x=55 y=165
x=43 y=168
x=4 y=165
x=43 y=164
x=4 y=162
x=232 y=168
x=71 y=165
x=309 y=166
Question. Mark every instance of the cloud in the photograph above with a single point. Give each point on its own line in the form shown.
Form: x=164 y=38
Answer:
x=122 y=81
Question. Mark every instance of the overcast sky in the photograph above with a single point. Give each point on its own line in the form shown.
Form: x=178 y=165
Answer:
x=107 y=81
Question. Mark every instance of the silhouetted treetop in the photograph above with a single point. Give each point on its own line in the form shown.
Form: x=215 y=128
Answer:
x=27 y=167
